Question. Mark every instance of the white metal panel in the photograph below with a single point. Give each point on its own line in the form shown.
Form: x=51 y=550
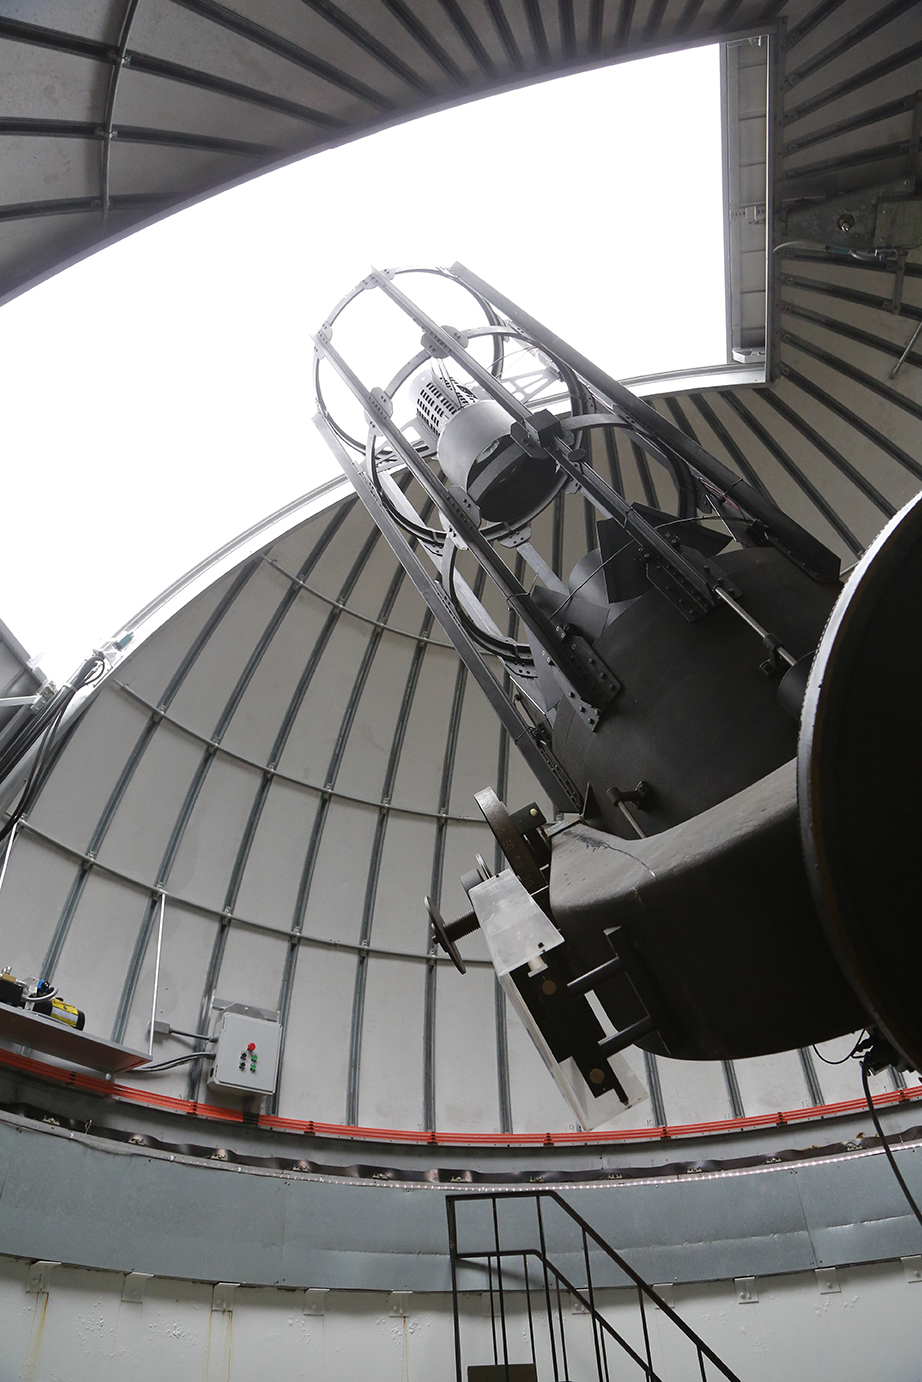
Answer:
x=339 y=555
x=368 y=750
x=206 y=856
x=478 y=751
x=32 y=75
x=898 y=426
x=896 y=483
x=404 y=879
x=137 y=169
x=98 y=949
x=409 y=611
x=269 y=889
x=188 y=939
x=337 y=893
x=843 y=1081
x=67 y=168
x=392 y=1045
x=142 y=97
x=38 y=879
x=693 y=1091
x=89 y=768
x=258 y=718
x=251 y=970
x=857 y=58
x=419 y=777
x=374 y=581
x=290 y=549
x=863 y=517
x=465 y=1089
x=167 y=31
x=214 y=674
x=313 y=736
x=315 y=1066
x=769 y=1084
x=148 y=670
x=142 y=826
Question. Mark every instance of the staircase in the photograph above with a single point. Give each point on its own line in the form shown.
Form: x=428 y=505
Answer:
x=547 y=1321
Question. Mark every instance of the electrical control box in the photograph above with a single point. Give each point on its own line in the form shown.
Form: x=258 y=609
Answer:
x=247 y=1052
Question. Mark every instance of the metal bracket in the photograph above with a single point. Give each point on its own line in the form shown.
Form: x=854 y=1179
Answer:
x=398 y=1303
x=461 y=497
x=602 y=678
x=39 y=1278
x=691 y=595
x=596 y=669
x=589 y=714
x=315 y=1300
x=772 y=663
x=222 y=1297
x=134 y=1286
x=637 y=797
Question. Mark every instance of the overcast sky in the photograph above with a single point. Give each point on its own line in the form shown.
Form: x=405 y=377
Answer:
x=157 y=396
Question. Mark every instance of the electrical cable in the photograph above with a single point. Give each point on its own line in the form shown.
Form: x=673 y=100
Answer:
x=799 y=245
x=169 y=1064
x=886 y=1145
x=875 y=256
x=25 y=799
x=553 y=614
x=37 y=997
x=704 y=518
x=844 y=1058
x=44 y=727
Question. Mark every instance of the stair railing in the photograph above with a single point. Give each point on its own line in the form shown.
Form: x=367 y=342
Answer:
x=527 y=1267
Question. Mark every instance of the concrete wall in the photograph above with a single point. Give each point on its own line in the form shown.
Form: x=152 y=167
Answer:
x=83 y=1329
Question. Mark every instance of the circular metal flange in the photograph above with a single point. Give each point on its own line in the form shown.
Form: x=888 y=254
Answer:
x=511 y=840
x=859 y=773
x=445 y=941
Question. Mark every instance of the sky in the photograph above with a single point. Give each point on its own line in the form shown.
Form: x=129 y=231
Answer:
x=157 y=396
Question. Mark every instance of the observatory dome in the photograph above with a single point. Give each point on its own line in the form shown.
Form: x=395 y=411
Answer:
x=248 y=808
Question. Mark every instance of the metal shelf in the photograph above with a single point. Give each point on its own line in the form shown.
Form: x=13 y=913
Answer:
x=45 y=1034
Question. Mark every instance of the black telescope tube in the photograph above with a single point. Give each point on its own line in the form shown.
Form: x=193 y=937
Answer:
x=789 y=536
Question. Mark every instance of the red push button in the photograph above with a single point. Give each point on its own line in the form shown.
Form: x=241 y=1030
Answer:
x=252 y=1046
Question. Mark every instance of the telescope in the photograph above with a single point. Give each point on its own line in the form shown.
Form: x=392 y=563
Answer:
x=723 y=724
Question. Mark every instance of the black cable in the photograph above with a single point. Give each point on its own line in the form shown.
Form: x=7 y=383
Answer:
x=25 y=799
x=169 y=1064
x=44 y=727
x=886 y=1145
x=844 y=1058
x=554 y=612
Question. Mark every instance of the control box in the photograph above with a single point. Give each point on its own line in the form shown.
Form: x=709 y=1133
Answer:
x=247 y=1052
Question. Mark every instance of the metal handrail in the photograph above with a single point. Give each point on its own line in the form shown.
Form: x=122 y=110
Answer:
x=587 y=1301
x=599 y=1322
